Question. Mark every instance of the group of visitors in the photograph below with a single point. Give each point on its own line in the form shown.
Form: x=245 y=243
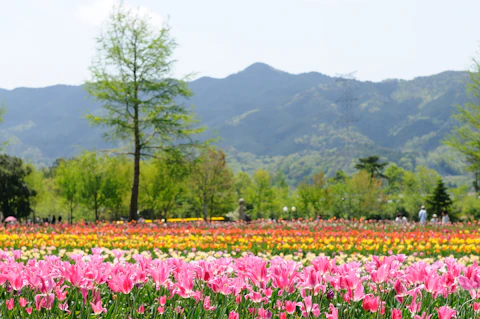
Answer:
x=423 y=216
x=50 y=219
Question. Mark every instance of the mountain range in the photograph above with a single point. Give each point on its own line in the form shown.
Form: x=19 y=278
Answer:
x=294 y=123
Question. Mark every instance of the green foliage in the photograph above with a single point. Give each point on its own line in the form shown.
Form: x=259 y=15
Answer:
x=243 y=183
x=67 y=180
x=466 y=137
x=394 y=175
x=372 y=166
x=261 y=195
x=98 y=185
x=359 y=197
x=131 y=77
x=117 y=186
x=36 y=181
x=313 y=196
x=163 y=181
x=440 y=200
x=211 y=184
x=15 y=193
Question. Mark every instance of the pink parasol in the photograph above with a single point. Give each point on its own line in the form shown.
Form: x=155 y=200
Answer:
x=10 y=219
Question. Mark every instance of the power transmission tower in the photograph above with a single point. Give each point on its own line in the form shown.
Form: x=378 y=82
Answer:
x=347 y=108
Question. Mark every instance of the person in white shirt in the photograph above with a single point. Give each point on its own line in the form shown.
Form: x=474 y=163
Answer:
x=399 y=218
x=422 y=215
x=445 y=218
x=434 y=219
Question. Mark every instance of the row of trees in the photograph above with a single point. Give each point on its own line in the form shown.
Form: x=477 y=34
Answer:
x=96 y=186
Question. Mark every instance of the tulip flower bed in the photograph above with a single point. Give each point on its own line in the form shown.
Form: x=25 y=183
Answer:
x=248 y=287
x=329 y=237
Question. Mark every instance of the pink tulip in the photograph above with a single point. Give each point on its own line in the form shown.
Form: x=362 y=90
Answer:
x=163 y=300
x=61 y=295
x=10 y=303
x=97 y=307
x=44 y=301
x=179 y=310
x=206 y=304
x=370 y=303
x=29 y=310
x=254 y=296
x=290 y=306
x=23 y=302
x=141 y=309
x=121 y=283
x=308 y=307
x=446 y=312
x=476 y=306
x=333 y=312
x=233 y=315
x=396 y=314
x=161 y=310
x=64 y=307
x=16 y=280
x=264 y=314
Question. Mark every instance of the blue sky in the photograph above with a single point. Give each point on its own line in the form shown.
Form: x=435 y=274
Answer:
x=47 y=42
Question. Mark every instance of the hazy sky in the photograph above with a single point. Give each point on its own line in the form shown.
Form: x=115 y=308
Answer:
x=47 y=42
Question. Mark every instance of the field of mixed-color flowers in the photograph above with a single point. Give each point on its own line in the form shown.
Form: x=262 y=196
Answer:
x=329 y=237
x=313 y=269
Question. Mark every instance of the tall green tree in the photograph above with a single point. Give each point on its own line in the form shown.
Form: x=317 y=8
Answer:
x=466 y=136
x=359 y=196
x=372 y=165
x=212 y=183
x=439 y=200
x=313 y=195
x=15 y=193
x=261 y=194
x=394 y=175
x=93 y=179
x=131 y=77
x=36 y=181
x=67 y=180
x=163 y=180
x=116 y=187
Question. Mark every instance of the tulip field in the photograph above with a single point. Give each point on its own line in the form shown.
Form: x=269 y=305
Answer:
x=304 y=269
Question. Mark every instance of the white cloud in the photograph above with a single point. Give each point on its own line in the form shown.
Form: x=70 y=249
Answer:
x=96 y=12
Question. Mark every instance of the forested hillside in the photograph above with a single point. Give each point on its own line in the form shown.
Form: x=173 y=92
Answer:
x=268 y=118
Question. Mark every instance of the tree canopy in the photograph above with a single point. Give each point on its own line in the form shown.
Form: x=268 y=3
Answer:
x=14 y=191
x=131 y=77
x=465 y=137
x=439 y=200
x=372 y=166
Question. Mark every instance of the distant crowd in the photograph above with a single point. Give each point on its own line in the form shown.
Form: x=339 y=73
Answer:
x=423 y=216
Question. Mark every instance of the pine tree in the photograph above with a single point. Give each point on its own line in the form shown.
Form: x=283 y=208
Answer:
x=439 y=200
x=372 y=166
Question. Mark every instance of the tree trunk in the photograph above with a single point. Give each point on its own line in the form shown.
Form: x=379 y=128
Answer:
x=71 y=213
x=96 y=210
x=205 y=210
x=136 y=161
x=136 y=183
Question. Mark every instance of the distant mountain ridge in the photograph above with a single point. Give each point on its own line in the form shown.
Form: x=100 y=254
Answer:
x=265 y=116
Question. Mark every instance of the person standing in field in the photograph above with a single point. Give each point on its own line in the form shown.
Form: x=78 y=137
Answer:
x=422 y=215
x=399 y=218
x=445 y=218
